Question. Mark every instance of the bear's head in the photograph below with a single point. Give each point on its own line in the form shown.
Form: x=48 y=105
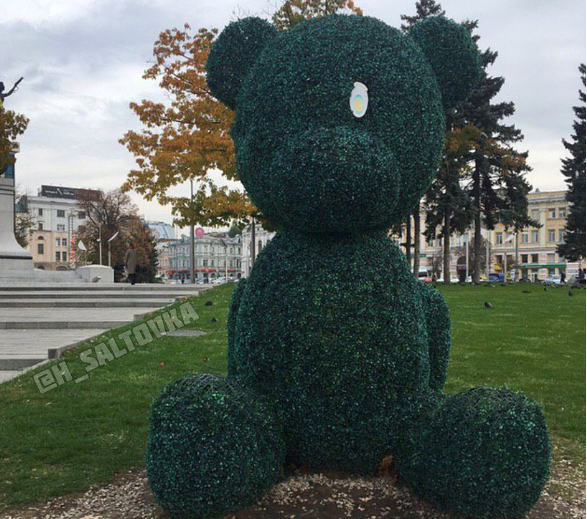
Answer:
x=339 y=122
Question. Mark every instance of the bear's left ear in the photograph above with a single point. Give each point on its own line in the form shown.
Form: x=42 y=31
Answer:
x=233 y=54
x=453 y=55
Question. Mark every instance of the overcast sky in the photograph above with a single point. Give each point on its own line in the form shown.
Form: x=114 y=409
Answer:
x=83 y=60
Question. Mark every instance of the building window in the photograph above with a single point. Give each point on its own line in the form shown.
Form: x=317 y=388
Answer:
x=524 y=237
x=534 y=258
x=534 y=236
x=60 y=213
x=498 y=238
x=551 y=235
x=40 y=226
x=552 y=212
x=57 y=242
x=64 y=242
x=524 y=258
x=58 y=256
x=60 y=227
x=64 y=257
x=205 y=262
x=561 y=235
x=40 y=248
x=81 y=215
x=535 y=214
x=40 y=211
x=550 y=258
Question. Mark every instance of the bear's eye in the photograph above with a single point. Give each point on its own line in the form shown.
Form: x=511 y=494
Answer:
x=359 y=100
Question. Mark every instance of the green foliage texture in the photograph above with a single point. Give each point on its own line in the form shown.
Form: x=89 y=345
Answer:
x=212 y=447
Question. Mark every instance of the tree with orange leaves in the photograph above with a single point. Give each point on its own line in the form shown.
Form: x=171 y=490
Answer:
x=188 y=138
x=293 y=12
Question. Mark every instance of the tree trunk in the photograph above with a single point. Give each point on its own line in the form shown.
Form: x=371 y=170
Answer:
x=477 y=243
x=409 y=239
x=417 y=240
x=446 y=249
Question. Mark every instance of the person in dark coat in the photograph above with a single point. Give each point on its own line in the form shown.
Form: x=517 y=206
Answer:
x=131 y=261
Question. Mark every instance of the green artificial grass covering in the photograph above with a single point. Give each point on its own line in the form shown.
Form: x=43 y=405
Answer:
x=212 y=447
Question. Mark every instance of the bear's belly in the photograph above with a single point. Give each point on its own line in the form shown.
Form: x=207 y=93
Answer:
x=332 y=330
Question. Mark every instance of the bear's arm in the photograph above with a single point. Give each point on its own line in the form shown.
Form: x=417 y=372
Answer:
x=438 y=326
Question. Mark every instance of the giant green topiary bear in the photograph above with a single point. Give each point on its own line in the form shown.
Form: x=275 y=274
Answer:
x=337 y=354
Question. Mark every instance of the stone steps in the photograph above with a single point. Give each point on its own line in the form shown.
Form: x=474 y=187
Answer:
x=85 y=303
x=170 y=296
x=61 y=325
x=38 y=322
x=114 y=287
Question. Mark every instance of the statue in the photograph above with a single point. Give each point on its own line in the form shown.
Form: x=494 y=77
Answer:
x=15 y=261
x=3 y=95
x=337 y=354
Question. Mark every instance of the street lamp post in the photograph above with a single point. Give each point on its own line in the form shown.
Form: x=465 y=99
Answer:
x=109 y=254
x=192 y=239
x=100 y=241
x=253 y=238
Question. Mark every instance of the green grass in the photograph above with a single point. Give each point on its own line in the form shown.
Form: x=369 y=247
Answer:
x=80 y=434
x=534 y=342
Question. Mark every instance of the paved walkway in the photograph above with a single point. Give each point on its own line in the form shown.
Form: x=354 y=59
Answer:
x=70 y=317
x=36 y=319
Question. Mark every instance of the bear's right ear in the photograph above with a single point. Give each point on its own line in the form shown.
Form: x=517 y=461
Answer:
x=233 y=54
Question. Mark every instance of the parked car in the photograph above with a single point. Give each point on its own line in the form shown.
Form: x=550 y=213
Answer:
x=496 y=278
x=453 y=279
x=552 y=280
x=424 y=275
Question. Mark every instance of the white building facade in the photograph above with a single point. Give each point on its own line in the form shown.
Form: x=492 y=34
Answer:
x=262 y=238
x=216 y=255
x=57 y=218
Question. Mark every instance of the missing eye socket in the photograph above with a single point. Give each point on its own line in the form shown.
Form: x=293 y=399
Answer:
x=359 y=100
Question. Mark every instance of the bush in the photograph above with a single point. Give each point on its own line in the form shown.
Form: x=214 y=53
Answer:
x=212 y=447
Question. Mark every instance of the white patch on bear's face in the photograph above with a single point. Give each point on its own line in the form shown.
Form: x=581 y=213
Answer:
x=359 y=100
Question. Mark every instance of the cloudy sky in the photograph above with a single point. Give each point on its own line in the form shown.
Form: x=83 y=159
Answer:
x=83 y=60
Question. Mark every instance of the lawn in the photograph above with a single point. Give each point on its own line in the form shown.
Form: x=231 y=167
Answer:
x=76 y=435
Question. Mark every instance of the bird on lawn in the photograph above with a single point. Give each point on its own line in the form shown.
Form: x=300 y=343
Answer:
x=570 y=294
x=488 y=305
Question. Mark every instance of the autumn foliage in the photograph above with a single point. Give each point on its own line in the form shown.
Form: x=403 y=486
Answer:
x=188 y=138
x=12 y=125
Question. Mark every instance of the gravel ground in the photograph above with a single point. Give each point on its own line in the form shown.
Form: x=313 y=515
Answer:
x=307 y=496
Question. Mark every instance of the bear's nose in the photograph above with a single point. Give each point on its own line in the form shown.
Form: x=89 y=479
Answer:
x=331 y=175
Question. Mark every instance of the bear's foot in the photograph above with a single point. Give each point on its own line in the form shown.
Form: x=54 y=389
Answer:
x=213 y=447
x=483 y=453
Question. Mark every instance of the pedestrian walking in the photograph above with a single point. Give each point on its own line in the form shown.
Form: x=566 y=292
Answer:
x=131 y=261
